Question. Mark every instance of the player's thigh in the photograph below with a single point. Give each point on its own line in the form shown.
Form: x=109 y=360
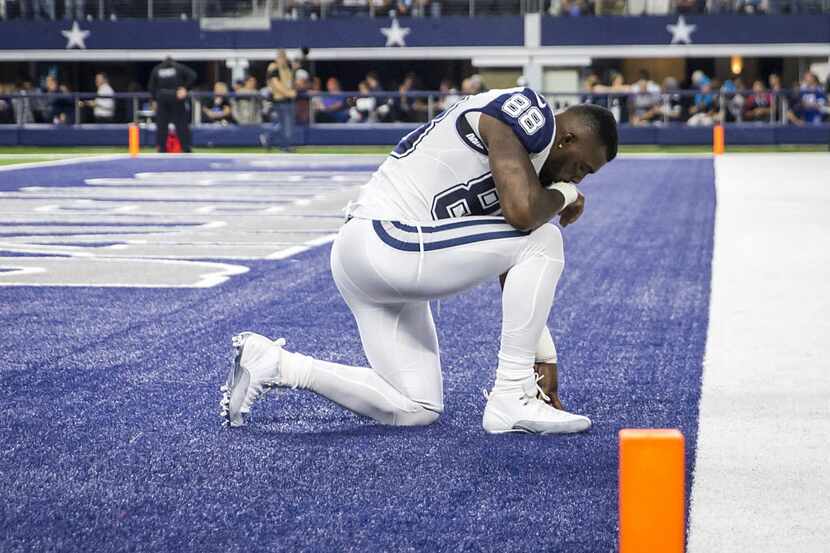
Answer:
x=399 y=339
x=443 y=258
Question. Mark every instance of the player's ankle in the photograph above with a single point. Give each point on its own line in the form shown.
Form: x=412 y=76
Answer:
x=523 y=382
x=295 y=370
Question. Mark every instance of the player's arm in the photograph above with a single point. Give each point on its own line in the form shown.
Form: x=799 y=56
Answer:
x=525 y=204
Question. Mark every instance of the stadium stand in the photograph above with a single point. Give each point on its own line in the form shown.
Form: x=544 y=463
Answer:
x=666 y=78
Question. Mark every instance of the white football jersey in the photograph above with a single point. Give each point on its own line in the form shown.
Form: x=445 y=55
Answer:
x=441 y=170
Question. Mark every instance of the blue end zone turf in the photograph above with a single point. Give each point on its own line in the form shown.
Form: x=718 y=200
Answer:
x=110 y=423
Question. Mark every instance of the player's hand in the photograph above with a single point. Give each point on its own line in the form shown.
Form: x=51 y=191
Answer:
x=571 y=213
x=181 y=93
x=549 y=383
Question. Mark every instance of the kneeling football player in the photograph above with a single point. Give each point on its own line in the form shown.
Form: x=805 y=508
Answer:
x=467 y=197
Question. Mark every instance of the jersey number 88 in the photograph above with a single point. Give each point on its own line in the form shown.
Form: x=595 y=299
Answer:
x=528 y=116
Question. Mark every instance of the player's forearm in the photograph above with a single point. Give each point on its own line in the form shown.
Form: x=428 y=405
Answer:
x=525 y=203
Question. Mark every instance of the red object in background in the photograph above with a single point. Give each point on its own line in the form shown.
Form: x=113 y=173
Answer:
x=173 y=144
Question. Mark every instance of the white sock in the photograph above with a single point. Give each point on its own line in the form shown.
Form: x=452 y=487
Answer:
x=526 y=302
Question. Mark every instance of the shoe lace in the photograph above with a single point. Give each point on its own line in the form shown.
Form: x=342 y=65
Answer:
x=539 y=389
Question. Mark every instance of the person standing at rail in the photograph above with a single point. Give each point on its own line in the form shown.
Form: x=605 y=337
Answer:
x=169 y=85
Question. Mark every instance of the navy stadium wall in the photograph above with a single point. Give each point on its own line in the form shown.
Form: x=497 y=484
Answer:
x=506 y=31
x=386 y=134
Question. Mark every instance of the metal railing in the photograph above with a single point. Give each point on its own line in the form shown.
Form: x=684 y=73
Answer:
x=313 y=9
x=676 y=107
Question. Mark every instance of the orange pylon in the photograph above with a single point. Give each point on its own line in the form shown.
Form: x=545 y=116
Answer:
x=134 y=140
x=718 y=140
x=652 y=491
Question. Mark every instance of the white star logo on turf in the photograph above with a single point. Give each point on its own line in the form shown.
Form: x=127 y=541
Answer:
x=681 y=32
x=75 y=37
x=395 y=33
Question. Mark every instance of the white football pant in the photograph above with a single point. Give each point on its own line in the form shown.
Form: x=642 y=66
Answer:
x=388 y=271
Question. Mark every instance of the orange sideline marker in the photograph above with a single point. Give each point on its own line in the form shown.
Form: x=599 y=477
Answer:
x=652 y=491
x=718 y=140
x=134 y=141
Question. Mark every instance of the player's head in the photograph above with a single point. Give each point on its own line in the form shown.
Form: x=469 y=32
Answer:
x=586 y=139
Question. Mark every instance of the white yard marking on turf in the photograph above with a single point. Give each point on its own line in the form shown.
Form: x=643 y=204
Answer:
x=262 y=215
x=294 y=250
x=118 y=272
x=761 y=479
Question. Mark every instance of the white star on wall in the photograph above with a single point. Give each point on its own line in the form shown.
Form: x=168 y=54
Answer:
x=75 y=37
x=395 y=34
x=681 y=32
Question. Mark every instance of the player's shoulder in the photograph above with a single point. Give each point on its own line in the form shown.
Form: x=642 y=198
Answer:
x=503 y=94
x=525 y=111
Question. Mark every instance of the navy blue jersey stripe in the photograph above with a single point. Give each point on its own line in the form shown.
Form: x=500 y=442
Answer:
x=409 y=142
x=449 y=226
x=442 y=244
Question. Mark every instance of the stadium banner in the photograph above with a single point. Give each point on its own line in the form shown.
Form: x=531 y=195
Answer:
x=330 y=33
x=417 y=32
x=683 y=30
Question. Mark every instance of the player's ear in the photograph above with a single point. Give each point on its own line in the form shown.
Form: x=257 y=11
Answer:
x=567 y=140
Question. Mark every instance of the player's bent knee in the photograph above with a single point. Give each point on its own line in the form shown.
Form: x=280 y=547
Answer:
x=419 y=417
x=548 y=240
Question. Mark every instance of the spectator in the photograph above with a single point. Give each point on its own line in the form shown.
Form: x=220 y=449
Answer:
x=575 y=8
x=449 y=95
x=589 y=85
x=217 y=110
x=280 y=78
x=23 y=111
x=373 y=81
x=671 y=105
x=6 y=107
x=704 y=111
x=617 y=93
x=645 y=100
x=332 y=108
x=734 y=93
x=169 y=86
x=406 y=107
x=699 y=78
x=247 y=107
x=103 y=106
x=61 y=108
x=811 y=102
x=364 y=107
x=758 y=106
x=303 y=85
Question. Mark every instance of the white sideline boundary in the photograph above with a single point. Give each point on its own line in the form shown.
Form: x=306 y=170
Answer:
x=762 y=476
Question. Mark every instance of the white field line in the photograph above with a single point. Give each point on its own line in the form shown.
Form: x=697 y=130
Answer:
x=762 y=474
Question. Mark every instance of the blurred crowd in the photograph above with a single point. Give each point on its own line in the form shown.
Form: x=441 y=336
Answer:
x=288 y=93
x=24 y=102
x=301 y=9
x=707 y=101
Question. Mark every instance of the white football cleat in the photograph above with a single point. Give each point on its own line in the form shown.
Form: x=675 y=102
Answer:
x=255 y=370
x=521 y=411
